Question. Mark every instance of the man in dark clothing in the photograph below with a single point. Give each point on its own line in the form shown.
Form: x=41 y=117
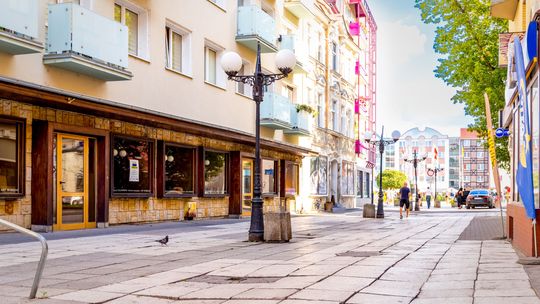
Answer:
x=404 y=193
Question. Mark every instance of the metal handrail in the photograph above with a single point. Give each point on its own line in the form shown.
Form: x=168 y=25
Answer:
x=44 y=251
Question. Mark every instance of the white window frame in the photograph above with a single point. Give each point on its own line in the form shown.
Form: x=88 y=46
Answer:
x=335 y=115
x=481 y=167
x=222 y=4
x=88 y=4
x=186 y=48
x=248 y=90
x=142 y=27
x=321 y=105
x=221 y=80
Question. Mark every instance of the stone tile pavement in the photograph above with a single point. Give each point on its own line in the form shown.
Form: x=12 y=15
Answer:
x=332 y=259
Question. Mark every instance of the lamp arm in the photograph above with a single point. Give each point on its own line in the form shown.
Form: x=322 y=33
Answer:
x=270 y=78
x=249 y=79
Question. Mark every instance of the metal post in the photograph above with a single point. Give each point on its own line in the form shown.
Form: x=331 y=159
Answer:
x=416 y=207
x=256 y=229
x=380 y=206
x=42 y=259
x=435 y=200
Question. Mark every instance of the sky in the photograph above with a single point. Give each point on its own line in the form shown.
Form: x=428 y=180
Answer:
x=408 y=93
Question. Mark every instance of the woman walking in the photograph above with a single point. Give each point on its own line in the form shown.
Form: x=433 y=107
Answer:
x=459 y=197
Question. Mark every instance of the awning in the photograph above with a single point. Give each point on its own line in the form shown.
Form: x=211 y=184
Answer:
x=505 y=9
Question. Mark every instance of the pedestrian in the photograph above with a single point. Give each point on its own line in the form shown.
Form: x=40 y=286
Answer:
x=459 y=197
x=404 y=193
x=428 y=198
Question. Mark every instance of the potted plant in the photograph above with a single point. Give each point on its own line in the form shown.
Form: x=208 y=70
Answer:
x=306 y=108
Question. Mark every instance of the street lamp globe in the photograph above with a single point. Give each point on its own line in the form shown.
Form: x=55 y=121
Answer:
x=396 y=135
x=231 y=63
x=285 y=61
x=368 y=136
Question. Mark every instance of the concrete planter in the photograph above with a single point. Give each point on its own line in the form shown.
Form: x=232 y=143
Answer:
x=277 y=227
x=369 y=211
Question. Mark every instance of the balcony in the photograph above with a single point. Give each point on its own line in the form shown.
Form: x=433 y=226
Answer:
x=255 y=26
x=84 y=42
x=19 y=27
x=505 y=9
x=300 y=8
x=290 y=42
x=301 y=122
x=276 y=112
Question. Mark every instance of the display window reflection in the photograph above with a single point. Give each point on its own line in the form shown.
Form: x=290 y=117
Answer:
x=216 y=172
x=179 y=170
x=132 y=166
x=11 y=158
x=269 y=186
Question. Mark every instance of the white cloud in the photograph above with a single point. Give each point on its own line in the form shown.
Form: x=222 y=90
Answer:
x=400 y=43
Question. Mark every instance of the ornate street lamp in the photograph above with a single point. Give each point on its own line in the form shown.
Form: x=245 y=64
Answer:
x=415 y=160
x=231 y=63
x=368 y=137
x=431 y=172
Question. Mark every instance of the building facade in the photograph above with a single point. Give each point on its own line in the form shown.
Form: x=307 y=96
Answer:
x=521 y=14
x=118 y=111
x=475 y=172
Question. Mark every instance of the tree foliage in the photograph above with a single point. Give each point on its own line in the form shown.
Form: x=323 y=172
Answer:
x=392 y=179
x=467 y=38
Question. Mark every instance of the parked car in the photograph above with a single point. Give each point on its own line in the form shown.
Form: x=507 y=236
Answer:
x=479 y=197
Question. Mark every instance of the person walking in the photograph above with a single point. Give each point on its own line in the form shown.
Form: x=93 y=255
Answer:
x=459 y=197
x=428 y=198
x=404 y=193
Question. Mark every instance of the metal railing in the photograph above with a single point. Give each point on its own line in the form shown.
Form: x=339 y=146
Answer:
x=44 y=251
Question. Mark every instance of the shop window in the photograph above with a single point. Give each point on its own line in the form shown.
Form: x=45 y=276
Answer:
x=268 y=169
x=132 y=160
x=291 y=179
x=318 y=175
x=360 y=184
x=216 y=173
x=367 y=192
x=178 y=163
x=11 y=158
x=347 y=178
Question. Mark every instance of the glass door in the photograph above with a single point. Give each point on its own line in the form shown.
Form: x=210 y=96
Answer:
x=247 y=186
x=72 y=169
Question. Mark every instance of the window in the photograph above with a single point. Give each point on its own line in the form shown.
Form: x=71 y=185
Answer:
x=242 y=88
x=132 y=166
x=343 y=128
x=466 y=143
x=480 y=154
x=467 y=166
x=318 y=175
x=347 y=178
x=221 y=3
x=135 y=19
x=322 y=48
x=12 y=155
x=178 y=170
x=360 y=185
x=216 y=173
x=480 y=179
x=177 y=49
x=321 y=110
x=467 y=178
x=288 y=91
x=212 y=71
x=291 y=179
x=441 y=155
x=269 y=185
x=84 y=3
x=367 y=192
x=467 y=154
x=335 y=121
x=334 y=56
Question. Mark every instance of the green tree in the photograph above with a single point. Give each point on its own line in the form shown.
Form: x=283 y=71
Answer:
x=392 y=179
x=467 y=38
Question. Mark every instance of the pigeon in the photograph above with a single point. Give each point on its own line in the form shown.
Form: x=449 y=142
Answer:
x=164 y=240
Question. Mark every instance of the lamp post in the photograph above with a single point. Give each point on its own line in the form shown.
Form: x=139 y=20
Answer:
x=415 y=160
x=432 y=172
x=381 y=144
x=232 y=63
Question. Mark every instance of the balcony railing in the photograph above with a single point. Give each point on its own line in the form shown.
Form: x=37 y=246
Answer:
x=301 y=122
x=19 y=27
x=291 y=42
x=255 y=26
x=300 y=8
x=85 y=42
x=276 y=112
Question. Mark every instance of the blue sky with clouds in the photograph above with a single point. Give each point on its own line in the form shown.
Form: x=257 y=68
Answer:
x=409 y=95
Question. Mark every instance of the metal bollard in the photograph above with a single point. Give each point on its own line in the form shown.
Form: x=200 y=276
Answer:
x=44 y=251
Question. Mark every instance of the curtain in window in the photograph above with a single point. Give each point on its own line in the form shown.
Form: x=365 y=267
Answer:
x=132 y=23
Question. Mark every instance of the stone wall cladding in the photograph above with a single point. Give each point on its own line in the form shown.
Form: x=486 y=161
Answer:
x=122 y=210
